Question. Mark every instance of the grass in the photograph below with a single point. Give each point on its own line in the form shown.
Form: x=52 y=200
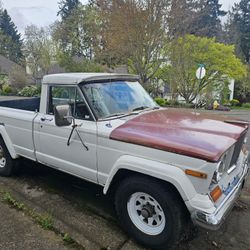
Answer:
x=67 y=239
x=239 y=108
x=7 y=198
x=44 y=220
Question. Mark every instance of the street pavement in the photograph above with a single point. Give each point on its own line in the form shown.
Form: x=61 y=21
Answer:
x=80 y=210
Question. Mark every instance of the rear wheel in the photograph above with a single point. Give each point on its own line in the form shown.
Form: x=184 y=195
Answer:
x=6 y=162
x=150 y=212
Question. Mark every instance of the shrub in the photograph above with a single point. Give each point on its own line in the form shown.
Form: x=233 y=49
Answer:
x=246 y=105
x=235 y=102
x=227 y=103
x=6 y=89
x=160 y=101
x=30 y=91
x=187 y=105
x=167 y=102
x=174 y=103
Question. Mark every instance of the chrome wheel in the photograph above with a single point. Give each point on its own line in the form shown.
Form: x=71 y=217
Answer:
x=146 y=213
x=2 y=158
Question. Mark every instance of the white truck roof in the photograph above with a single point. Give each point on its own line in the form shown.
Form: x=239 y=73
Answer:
x=76 y=78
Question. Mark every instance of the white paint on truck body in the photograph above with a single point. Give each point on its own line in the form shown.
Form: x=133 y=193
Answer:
x=35 y=136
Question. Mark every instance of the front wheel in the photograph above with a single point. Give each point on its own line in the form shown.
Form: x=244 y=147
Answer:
x=150 y=212
x=6 y=162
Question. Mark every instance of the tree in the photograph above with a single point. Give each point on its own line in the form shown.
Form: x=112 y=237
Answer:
x=237 y=31
x=5 y=45
x=242 y=88
x=74 y=64
x=66 y=7
x=77 y=39
x=182 y=17
x=76 y=36
x=189 y=51
x=198 y=17
x=39 y=49
x=239 y=28
x=133 y=33
x=7 y=28
x=231 y=34
x=207 y=21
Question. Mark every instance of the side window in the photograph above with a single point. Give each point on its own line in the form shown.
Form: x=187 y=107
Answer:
x=68 y=95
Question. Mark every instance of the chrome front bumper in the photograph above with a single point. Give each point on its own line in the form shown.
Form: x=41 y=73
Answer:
x=214 y=220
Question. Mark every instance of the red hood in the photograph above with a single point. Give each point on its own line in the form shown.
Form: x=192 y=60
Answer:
x=197 y=135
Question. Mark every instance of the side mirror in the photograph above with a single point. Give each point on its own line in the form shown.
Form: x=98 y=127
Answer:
x=63 y=115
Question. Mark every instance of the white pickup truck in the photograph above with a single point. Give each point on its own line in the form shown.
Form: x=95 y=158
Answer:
x=163 y=165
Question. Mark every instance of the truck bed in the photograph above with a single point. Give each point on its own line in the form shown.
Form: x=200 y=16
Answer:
x=29 y=103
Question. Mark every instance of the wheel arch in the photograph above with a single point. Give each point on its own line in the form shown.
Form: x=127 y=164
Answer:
x=8 y=143
x=169 y=175
x=126 y=173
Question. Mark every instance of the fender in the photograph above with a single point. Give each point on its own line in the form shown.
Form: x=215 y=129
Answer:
x=165 y=172
x=8 y=141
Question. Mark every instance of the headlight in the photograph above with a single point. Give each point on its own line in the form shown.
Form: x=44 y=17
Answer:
x=220 y=169
x=245 y=146
x=245 y=140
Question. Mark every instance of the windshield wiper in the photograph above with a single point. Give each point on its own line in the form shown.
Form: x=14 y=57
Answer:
x=145 y=107
x=129 y=113
x=140 y=108
x=115 y=114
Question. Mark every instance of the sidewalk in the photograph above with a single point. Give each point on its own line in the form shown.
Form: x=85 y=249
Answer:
x=17 y=232
x=88 y=229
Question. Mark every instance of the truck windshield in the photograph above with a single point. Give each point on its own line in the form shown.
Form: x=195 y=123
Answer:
x=117 y=98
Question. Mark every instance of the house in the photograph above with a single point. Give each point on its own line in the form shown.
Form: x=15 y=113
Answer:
x=7 y=66
x=165 y=92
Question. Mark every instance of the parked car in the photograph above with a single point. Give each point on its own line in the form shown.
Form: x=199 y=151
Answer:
x=164 y=166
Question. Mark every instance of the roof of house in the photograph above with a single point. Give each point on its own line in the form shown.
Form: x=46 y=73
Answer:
x=6 y=65
x=76 y=78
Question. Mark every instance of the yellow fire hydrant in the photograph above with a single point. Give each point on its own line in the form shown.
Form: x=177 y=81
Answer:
x=215 y=105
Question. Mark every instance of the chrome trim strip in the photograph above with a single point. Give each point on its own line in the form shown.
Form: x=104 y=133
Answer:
x=231 y=169
x=237 y=122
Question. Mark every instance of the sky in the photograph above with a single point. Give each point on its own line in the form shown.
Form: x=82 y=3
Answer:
x=44 y=12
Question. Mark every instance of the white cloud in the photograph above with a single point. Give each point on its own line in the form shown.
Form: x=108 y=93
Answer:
x=40 y=16
x=26 y=12
x=227 y=4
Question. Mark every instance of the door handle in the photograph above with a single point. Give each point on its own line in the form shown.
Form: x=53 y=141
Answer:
x=43 y=119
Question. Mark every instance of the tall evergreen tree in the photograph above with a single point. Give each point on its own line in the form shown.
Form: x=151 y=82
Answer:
x=8 y=28
x=208 y=21
x=237 y=29
x=198 y=17
x=182 y=17
x=237 y=32
x=66 y=7
x=242 y=21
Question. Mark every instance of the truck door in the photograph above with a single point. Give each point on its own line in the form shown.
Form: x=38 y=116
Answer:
x=52 y=148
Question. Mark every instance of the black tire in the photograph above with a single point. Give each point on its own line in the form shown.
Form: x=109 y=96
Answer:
x=169 y=202
x=6 y=162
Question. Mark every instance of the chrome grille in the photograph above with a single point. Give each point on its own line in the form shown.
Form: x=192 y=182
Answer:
x=237 y=149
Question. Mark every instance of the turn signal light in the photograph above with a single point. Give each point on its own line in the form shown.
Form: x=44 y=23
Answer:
x=196 y=174
x=216 y=193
